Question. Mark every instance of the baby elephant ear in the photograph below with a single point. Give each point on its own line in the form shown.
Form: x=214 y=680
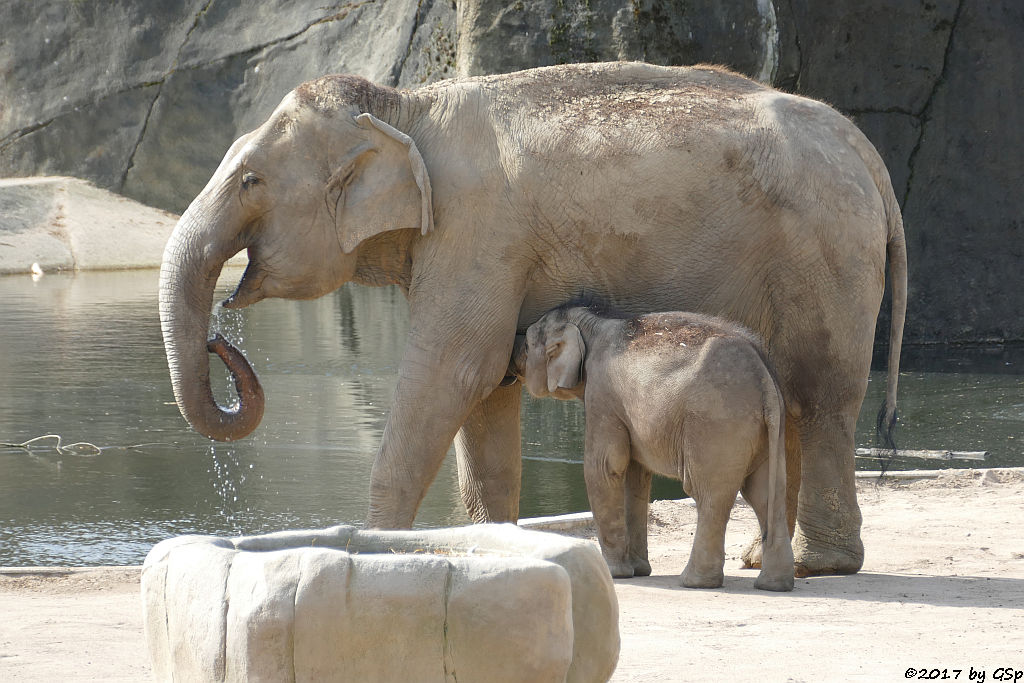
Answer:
x=389 y=189
x=565 y=370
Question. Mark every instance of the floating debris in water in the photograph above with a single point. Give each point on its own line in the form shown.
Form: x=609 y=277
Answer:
x=79 y=448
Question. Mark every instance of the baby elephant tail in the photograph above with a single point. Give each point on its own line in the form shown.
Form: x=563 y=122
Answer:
x=775 y=423
x=776 y=549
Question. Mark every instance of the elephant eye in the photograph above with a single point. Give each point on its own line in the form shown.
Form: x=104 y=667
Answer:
x=250 y=180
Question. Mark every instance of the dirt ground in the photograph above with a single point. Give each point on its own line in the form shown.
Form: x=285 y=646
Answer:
x=941 y=597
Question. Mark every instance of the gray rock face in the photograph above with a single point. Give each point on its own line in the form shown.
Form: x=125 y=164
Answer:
x=499 y=37
x=965 y=204
x=144 y=98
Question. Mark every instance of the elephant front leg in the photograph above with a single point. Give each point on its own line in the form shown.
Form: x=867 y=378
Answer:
x=488 y=449
x=446 y=378
x=432 y=400
x=605 y=461
x=638 y=498
x=416 y=437
x=827 y=538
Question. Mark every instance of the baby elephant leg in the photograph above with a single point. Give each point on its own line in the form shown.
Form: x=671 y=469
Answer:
x=605 y=461
x=707 y=556
x=712 y=474
x=638 y=497
x=777 y=551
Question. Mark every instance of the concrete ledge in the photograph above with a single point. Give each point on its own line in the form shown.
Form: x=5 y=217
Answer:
x=573 y=520
x=901 y=474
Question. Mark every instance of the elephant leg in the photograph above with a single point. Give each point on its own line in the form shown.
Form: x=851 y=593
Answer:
x=755 y=492
x=638 y=497
x=488 y=450
x=712 y=474
x=411 y=451
x=433 y=399
x=445 y=377
x=827 y=538
x=605 y=462
x=751 y=556
x=705 y=567
x=777 y=561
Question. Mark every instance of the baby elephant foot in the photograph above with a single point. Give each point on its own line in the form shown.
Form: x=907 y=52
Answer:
x=752 y=555
x=691 y=578
x=774 y=583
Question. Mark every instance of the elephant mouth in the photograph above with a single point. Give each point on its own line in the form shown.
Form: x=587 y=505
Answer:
x=250 y=287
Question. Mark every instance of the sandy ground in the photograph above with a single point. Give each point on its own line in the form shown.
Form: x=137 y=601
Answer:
x=941 y=597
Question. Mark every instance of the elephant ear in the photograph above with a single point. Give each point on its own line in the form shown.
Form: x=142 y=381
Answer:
x=565 y=370
x=386 y=188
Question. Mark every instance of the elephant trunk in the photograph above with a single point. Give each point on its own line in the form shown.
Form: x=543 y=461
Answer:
x=188 y=276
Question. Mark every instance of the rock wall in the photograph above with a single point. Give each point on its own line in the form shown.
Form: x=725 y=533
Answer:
x=144 y=98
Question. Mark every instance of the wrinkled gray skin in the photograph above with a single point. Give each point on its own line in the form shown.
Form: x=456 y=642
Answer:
x=490 y=200
x=682 y=395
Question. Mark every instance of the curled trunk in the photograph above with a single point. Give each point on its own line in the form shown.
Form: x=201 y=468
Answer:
x=188 y=276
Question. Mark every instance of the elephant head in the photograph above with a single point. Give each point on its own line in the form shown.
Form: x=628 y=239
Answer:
x=324 y=175
x=552 y=364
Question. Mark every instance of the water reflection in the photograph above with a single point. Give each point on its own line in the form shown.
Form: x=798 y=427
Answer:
x=81 y=356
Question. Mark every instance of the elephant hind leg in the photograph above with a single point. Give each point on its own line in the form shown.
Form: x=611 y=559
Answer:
x=755 y=492
x=776 y=558
x=488 y=453
x=714 y=491
x=751 y=555
x=705 y=567
x=827 y=538
x=713 y=473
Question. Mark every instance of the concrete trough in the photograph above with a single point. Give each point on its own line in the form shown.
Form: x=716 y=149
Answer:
x=477 y=603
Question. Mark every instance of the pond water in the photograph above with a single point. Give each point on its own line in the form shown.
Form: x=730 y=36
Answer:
x=81 y=357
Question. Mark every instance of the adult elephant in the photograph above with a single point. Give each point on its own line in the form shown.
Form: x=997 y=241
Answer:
x=490 y=200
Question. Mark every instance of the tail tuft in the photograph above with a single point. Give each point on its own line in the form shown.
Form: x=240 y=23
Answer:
x=885 y=426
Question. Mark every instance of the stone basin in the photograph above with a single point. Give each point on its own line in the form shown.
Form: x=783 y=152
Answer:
x=489 y=602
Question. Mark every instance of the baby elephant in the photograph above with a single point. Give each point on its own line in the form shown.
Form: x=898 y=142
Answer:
x=680 y=394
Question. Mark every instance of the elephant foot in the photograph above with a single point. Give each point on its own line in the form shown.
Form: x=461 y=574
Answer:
x=751 y=557
x=620 y=569
x=691 y=578
x=780 y=584
x=813 y=557
x=641 y=567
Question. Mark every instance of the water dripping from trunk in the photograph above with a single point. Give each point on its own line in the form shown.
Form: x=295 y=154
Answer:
x=227 y=467
x=230 y=323
x=228 y=477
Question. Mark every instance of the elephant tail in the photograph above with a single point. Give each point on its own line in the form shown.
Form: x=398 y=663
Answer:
x=896 y=254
